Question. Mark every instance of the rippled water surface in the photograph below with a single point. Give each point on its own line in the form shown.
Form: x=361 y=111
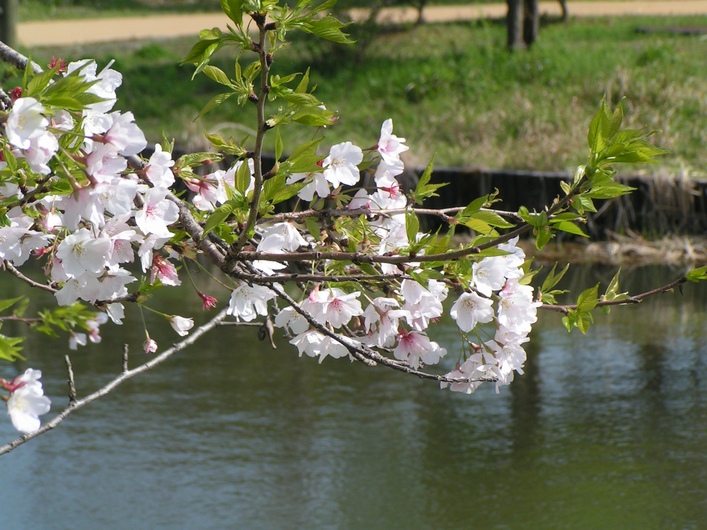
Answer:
x=603 y=431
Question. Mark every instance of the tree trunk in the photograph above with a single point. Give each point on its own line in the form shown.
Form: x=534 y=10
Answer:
x=565 y=11
x=8 y=22
x=514 y=24
x=531 y=22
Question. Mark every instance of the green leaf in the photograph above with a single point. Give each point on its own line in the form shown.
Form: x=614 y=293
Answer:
x=595 y=139
x=313 y=228
x=243 y=177
x=543 y=235
x=697 y=275
x=234 y=10
x=328 y=28
x=213 y=103
x=201 y=52
x=492 y=219
x=412 y=225
x=588 y=299
x=424 y=189
x=568 y=226
x=6 y=304
x=10 y=348
x=612 y=293
x=473 y=207
x=196 y=159
x=477 y=225
x=553 y=279
x=582 y=203
x=218 y=216
x=278 y=144
x=218 y=75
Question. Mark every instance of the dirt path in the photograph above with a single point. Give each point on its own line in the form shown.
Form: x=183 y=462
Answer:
x=86 y=31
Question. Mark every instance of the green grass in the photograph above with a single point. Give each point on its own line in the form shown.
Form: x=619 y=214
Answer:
x=455 y=92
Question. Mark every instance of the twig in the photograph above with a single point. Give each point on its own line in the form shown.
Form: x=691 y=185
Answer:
x=260 y=135
x=196 y=334
x=125 y=357
x=442 y=213
x=636 y=299
x=10 y=267
x=70 y=381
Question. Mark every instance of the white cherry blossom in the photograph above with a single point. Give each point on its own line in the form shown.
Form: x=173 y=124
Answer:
x=27 y=401
x=340 y=167
x=471 y=309
x=248 y=301
x=25 y=122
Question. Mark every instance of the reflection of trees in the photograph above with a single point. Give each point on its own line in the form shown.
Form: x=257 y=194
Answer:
x=526 y=402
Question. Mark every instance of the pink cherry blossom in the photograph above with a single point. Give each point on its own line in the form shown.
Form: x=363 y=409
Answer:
x=208 y=302
x=415 y=346
x=159 y=168
x=333 y=306
x=389 y=145
x=164 y=271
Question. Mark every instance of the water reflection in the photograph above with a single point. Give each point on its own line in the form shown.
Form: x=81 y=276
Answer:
x=603 y=431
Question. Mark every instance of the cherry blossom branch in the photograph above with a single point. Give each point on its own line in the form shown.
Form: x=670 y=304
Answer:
x=298 y=277
x=112 y=385
x=442 y=213
x=358 y=257
x=365 y=354
x=11 y=268
x=635 y=299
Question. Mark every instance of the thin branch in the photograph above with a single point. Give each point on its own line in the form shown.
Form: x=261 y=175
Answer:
x=260 y=135
x=10 y=267
x=196 y=334
x=298 y=277
x=126 y=352
x=70 y=381
x=442 y=213
x=636 y=299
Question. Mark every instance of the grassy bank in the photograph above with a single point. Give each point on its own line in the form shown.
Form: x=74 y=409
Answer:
x=453 y=90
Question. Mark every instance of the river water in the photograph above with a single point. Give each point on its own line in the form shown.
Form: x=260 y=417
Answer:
x=604 y=431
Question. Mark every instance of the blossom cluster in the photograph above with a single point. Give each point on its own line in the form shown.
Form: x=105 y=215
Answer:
x=110 y=215
x=397 y=322
x=498 y=358
x=82 y=209
x=92 y=213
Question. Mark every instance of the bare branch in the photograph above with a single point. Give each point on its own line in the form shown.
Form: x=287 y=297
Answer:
x=15 y=58
x=196 y=334
x=70 y=381
x=126 y=351
x=10 y=267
